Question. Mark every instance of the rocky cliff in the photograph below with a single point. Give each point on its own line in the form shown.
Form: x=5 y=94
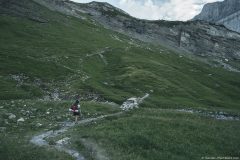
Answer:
x=226 y=13
x=194 y=37
x=202 y=39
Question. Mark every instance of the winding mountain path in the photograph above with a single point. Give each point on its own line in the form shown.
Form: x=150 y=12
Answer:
x=39 y=139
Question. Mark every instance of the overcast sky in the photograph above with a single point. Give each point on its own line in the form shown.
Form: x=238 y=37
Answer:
x=159 y=9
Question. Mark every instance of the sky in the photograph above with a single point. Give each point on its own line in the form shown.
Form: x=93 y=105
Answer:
x=181 y=10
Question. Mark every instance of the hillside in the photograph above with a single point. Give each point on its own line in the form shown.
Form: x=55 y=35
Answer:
x=202 y=40
x=49 y=57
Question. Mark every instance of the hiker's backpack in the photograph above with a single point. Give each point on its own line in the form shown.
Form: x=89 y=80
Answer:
x=74 y=107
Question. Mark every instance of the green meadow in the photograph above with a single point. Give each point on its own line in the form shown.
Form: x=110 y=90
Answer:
x=74 y=56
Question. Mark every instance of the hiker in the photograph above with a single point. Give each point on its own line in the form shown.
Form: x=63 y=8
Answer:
x=75 y=108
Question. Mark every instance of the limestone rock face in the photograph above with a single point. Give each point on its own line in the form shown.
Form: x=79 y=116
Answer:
x=195 y=37
x=226 y=13
x=202 y=39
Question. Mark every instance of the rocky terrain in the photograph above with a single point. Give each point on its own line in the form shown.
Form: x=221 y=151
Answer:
x=53 y=52
x=208 y=41
x=226 y=13
x=202 y=39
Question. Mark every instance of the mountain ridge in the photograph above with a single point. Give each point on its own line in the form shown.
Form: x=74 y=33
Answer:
x=208 y=42
x=226 y=13
x=47 y=64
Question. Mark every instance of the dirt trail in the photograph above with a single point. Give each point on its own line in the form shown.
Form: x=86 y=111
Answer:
x=39 y=140
x=216 y=115
x=100 y=53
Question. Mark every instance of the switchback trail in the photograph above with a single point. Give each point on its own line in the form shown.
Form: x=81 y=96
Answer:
x=40 y=140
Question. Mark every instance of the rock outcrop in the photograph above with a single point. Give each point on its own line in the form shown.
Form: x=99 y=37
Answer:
x=226 y=13
x=209 y=41
x=194 y=37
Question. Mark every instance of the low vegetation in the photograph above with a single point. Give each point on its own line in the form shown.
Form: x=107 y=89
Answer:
x=65 y=57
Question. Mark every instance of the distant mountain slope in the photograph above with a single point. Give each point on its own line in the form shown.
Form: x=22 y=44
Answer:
x=208 y=41
x=226 y=13
x=50 y=54
x=66 y=56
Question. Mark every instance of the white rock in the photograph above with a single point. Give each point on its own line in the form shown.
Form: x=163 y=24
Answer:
x=34 y=109
x=3 y=129
x=6 y=121
x=105 y=83
x=129 y=104
x=38 y=125
x=1 y=107
x=47 y=112
x=11 y=116
x=63 y=141
x=20 y=120
x=76 y=154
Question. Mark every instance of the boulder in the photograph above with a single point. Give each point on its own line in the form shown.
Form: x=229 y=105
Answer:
x=11 y=116
x=63 y=141
x=3 y=129
x=20 y=120
x=6 y=121
x=39 y=125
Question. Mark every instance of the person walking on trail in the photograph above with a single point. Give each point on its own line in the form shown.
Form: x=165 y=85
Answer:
x=75 y=109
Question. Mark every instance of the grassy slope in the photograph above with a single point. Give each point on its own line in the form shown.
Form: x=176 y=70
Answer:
x=15 y=139
x=55 y=52
x=154 y=134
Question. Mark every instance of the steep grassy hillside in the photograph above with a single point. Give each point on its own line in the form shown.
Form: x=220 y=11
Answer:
x=69 y=56
x=74 y=56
